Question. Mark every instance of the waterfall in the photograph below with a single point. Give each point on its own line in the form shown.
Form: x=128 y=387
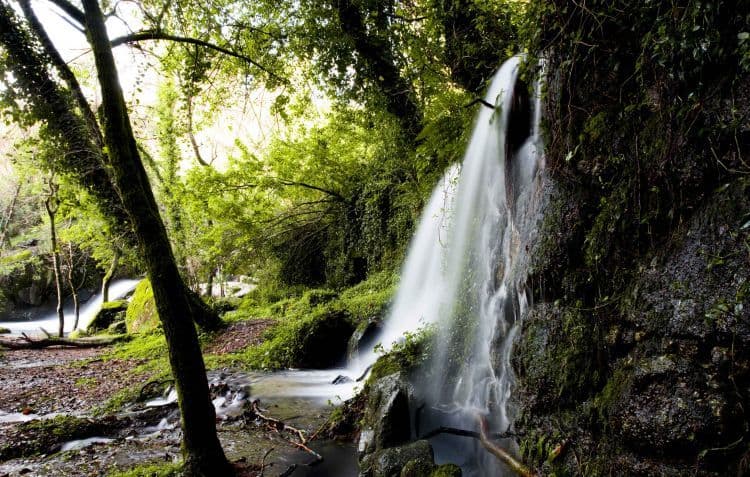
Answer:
x=117 y=290
x=465 y=273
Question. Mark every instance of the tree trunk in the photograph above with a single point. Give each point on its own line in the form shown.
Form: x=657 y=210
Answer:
x=201 y=447
x=107 y=280
x=51 y=204
x=28 y=59
x=73 y=287
x=210 y=284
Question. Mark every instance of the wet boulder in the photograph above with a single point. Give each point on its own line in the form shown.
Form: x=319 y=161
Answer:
x=387 y=417
x=108 y=314
x=363 y=337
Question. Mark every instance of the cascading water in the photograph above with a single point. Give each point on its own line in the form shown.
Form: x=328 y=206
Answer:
x=117 y=290
x=465 y=272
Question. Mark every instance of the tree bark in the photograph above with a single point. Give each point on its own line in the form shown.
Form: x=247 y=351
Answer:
x=51 y=204
x=73 y=287
x=107 y=279
x=201 y=447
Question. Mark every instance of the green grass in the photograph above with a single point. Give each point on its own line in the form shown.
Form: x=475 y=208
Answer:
x=150 y=470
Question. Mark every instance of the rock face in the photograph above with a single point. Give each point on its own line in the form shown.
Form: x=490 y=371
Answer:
x=387 y=418
x=110 y=313
x=654 y=381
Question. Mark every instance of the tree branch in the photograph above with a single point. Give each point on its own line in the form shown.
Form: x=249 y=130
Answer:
x=158 y=35
x=65 y=71
x=71 y=10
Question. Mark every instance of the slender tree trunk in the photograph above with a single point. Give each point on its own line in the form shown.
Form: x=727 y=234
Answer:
x=51 y=204
x=73 y=287
x=4 y=240
x=201 y=447
x=107 y=280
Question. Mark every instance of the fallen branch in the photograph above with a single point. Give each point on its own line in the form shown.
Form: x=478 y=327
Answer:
x=28 y=343
x=280 y=426
x=263 y=462
x=515 y=465
x=464 y=433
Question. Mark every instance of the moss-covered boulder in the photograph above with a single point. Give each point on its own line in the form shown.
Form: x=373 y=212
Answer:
x=415 y=459
x=4 y=331
x=46 y=436
x=110 y=312
x=387 y=421
x=141 y=315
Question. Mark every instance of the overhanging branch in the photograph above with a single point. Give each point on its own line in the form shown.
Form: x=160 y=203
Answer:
x=158 y=35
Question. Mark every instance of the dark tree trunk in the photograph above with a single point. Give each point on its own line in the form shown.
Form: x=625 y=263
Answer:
x=73 y=287
x=210 y=284
x=47 y=100
x=202 y=450
x=379 y=66
x=28 y=60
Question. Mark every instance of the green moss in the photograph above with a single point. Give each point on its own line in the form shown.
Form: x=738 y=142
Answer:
x=446 y=470
x=404 y=356
x=44 y=435
x=86 y=382
x=150 y=470
x=4 y=331
x=313 y=340
x=141 y=315
x=109 y=313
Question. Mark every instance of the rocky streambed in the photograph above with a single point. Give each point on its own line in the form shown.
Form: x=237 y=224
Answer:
x=51 y=420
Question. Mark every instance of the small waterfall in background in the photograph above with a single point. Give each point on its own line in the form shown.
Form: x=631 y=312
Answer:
x=89 y=309
x=465 y=273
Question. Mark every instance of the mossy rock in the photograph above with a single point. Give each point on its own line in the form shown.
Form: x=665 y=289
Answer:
x=46 y=436
x=109 y=313
x=4 y=331
x=117 y=328
x=323 y=340
x=141 y=315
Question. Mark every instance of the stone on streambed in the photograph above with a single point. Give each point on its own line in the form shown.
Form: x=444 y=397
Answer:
x=110 y=313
